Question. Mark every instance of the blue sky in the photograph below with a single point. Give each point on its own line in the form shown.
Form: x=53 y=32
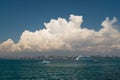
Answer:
x=19 y=15
x=71 y=26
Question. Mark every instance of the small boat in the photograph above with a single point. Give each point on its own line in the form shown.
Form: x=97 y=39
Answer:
x=77 y=58
x=83 y=58
x=45 y=61
x=96 y=61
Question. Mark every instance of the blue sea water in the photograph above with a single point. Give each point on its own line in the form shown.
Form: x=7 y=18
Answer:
x=106 y=69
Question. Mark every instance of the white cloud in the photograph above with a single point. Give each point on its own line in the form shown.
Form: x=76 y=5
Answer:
x=68 y=35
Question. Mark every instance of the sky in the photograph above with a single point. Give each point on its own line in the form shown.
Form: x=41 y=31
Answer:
x=45 y=23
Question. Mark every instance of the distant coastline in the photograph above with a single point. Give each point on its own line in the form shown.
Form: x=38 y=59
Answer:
x=60 y=57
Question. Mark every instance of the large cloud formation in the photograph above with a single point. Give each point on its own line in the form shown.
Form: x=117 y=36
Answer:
x=66 y=35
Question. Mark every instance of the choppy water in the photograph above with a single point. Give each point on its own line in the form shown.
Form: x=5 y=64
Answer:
x=60 y=70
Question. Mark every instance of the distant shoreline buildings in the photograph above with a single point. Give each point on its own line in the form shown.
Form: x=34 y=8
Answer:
x=63 y=57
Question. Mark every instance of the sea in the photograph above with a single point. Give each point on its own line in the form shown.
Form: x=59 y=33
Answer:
x=30 y=69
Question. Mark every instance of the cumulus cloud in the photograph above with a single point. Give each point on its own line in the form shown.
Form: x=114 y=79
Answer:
x=66 y=35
